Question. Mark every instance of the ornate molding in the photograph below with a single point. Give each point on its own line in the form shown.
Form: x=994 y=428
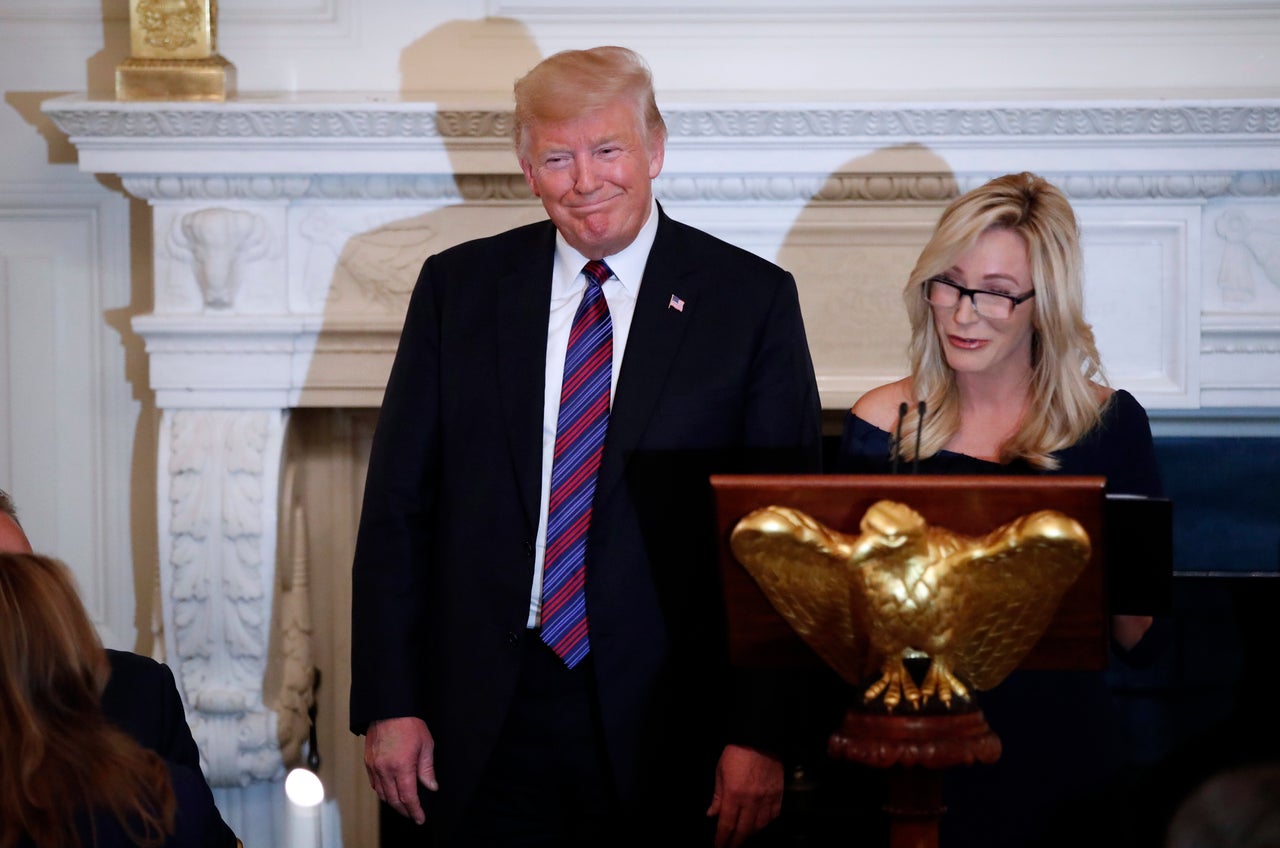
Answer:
x=940 y=187
x=1249 y=349
x=221 y=520
x=399 y=120
x=928 y=122
x=219 y=187
x=473 y=188
x=1240 y=333
x=715 y=188
x=405 y=120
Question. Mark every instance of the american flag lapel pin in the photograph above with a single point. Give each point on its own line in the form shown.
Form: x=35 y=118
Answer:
x=676 y=303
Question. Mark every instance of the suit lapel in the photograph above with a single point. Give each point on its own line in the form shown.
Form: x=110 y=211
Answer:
x=657 y=331
x=523 y=310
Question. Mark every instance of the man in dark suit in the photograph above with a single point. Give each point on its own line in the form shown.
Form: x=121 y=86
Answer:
x=554 y=677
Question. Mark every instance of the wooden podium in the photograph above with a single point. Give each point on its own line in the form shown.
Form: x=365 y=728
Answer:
x=914 y=747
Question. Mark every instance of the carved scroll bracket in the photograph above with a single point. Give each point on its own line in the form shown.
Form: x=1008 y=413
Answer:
x=219 y=484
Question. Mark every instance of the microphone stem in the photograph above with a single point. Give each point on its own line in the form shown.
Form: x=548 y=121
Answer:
x=897 y=439
x=915 y=460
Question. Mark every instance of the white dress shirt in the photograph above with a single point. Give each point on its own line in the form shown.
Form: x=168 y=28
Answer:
x=567 y=287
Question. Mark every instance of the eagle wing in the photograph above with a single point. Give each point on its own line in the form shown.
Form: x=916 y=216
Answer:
x=1011 y=582
x=803 y=569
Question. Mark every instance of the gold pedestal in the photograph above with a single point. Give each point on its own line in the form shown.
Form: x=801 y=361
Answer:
x=213 y=78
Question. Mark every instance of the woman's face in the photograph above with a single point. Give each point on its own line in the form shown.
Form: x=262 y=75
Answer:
x=975 y=344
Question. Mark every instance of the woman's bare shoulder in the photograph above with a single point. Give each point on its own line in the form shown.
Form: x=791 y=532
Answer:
x=879 y=406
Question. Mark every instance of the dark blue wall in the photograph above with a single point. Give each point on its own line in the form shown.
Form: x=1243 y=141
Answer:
x=1226 y=502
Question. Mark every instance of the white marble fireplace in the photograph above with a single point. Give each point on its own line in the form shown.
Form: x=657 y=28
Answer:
x=287 y=232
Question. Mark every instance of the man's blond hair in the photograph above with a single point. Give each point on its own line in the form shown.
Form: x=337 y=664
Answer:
x=572 y=83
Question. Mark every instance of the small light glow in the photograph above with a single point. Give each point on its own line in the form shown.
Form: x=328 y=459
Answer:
x=303 y=788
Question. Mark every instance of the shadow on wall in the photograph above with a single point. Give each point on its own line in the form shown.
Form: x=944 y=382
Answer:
x=488 y=54
x=851 y=249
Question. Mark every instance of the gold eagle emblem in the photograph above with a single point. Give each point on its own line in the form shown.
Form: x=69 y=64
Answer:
x=901 y=589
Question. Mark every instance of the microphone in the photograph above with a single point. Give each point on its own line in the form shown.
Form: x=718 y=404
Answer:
x=915 y=461
x=896 y=453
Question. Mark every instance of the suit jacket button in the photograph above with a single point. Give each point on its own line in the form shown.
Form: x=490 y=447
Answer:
x=528 y=549
x=513 y=638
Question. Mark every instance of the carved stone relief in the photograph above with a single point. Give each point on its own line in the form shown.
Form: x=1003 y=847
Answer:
x=1250 y=255
x=220 y=516
x=220 y=249
x=365 y=259
x=888 y=122
x=295 y=694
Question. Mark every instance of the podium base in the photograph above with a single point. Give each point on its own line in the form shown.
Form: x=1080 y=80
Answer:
x=914 y=750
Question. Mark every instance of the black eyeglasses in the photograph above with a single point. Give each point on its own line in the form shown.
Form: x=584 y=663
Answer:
x=940 y=291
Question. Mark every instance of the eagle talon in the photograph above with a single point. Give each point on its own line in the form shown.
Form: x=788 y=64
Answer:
x=940 y=681
x=896 y=684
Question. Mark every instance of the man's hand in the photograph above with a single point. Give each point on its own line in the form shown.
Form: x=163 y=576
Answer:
x=399 y=752
x=1128 y=630
x=748 y=794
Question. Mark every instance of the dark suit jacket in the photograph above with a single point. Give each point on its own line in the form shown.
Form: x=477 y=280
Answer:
x=445 y=552
x=142 y=699
x=196 y=821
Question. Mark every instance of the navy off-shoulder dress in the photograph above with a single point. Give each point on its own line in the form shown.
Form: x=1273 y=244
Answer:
x=1119 y=448
x=1063 y=735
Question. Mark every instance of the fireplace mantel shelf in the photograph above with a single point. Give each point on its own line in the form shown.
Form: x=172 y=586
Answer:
x=352 y=133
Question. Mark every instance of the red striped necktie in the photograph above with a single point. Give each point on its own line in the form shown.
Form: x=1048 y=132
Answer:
x=580 y=430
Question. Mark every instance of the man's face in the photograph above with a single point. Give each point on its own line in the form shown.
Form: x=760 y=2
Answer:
x=594 y=174
x=12 y=539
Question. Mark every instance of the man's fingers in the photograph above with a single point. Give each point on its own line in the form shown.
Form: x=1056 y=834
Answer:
x=763 y=815
x=748 y=794
x=733 y=826
x=427 y=767
x=724 y=829
x=407 y=792
x=399 y=788
x=398 y=753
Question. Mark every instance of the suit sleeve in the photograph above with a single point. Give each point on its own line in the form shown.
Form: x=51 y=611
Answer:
x=392 y=545
x=784 y=417
x=177 y=745
x=141 y=698
x=783 y=408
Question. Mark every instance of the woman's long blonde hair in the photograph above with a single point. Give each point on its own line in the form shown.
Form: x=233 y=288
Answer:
x=59 y=755
x=1064 y=404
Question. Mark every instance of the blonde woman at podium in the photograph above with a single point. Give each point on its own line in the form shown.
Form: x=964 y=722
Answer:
x=1006 y=379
